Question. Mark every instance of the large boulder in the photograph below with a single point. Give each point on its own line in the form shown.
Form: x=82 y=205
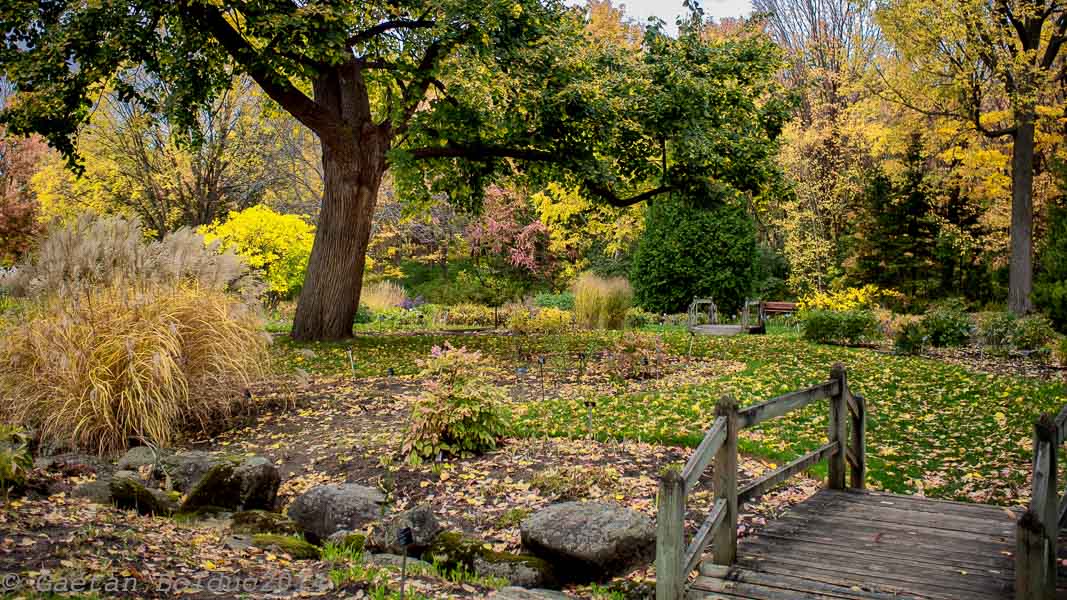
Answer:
x=590 y=541
x=186 y=469
x=130 y=493
x=249 y=485
x=325 y=509
x=451 y=550
x=424 y=528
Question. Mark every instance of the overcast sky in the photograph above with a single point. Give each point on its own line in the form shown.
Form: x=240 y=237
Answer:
x=669 y=10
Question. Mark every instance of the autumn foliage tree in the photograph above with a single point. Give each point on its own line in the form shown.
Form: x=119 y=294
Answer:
x=19 y=158
x=451 y=94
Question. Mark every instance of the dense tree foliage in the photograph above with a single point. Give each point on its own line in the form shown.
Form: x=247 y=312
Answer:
x=689 y=251
x=452 y=94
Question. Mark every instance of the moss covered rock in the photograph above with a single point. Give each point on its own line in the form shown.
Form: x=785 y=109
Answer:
x=350 y=540
x=262 y=521
x=131 y=494
x=291 y=545
x=452 y=549
x=251 y=484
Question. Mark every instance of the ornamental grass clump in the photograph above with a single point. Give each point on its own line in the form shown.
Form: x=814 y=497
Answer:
x=460 y=411
x=602 y=302
x=121 y=340
x=383 y=295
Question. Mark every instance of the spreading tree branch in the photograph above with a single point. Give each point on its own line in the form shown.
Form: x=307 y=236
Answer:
x=312 y=114
x=384 y=26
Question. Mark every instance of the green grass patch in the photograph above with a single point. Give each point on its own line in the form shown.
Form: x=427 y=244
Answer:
x=934 y=426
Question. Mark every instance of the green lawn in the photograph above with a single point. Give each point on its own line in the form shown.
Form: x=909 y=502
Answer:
x=933 y=426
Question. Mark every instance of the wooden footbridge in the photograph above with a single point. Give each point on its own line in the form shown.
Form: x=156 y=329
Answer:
x=846 y=542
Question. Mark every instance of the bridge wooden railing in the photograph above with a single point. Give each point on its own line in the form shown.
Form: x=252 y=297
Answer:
x=675 y=558
x=1039 y=527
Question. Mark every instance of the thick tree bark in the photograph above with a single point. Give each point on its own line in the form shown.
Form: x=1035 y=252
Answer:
x=353 y=165
x=1021 y=268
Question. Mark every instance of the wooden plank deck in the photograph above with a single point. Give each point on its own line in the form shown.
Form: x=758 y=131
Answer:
x=873 y=546
x=717 y=329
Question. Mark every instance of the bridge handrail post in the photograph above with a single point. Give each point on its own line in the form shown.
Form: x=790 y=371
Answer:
x=670 y=536
x=724 y=542
x=1038 y=529
x=837 y=428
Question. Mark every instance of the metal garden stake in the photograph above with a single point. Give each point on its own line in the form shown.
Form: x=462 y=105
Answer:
x=405 y=538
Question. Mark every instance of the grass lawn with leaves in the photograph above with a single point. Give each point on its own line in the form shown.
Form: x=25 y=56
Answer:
x=935 y=428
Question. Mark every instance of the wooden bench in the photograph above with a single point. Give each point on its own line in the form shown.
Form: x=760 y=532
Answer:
x=779 y=308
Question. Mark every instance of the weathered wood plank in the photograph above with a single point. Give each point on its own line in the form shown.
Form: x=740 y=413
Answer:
x=1035 y=560
x=776 y=407
x=776 y=477
x=865 y=592
x=696 y=547
x=837 y=429
x=670 y=536
x=704 y=453
x=724 y=540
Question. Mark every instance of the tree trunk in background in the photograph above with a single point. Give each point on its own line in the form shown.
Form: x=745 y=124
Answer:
x=1021 y=270
x=353 y=164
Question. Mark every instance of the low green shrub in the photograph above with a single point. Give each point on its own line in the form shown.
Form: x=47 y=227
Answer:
x=840 y=326
x=947 y=324
x=562 y=300
x=910 y=338
x=1033 y=332
x=1060 y=351
x=459 y=411
x=997 y=330
x=471 y=315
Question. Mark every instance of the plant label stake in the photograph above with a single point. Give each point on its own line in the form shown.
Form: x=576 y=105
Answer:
x=541 y=361
x=351 y=363
x=589 y=406
x=390 y=372
x=581 y=366
x=405 y=538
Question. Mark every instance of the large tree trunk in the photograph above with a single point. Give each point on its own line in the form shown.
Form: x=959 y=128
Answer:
x=353 y=164
x=1021 y=269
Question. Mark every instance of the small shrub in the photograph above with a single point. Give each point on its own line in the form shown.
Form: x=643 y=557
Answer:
x=562 y=300
x=1060 y=351
x=947 y=324
x=840 y=326
x=601 y=303
x=637 y=318
x=910 y=338
x=997 y=330
x=275 y=245
x=460 y=410
x=866 y=297
x=120 y=364
x=636 y=356
x=471 y=315
x=15 y=459
x=546 y=320
x=383 y=295
x=1033 y=332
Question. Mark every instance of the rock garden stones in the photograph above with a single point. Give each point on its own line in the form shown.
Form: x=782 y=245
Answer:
x=326 y=509
x=590 y=541
x=131 y=494
x=293 y=546
x=451 y=550
x=251 y=484
x=424 y=529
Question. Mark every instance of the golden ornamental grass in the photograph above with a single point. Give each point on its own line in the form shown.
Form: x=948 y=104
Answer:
x=601 y=302
x=381 y=295
x=116 y=364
